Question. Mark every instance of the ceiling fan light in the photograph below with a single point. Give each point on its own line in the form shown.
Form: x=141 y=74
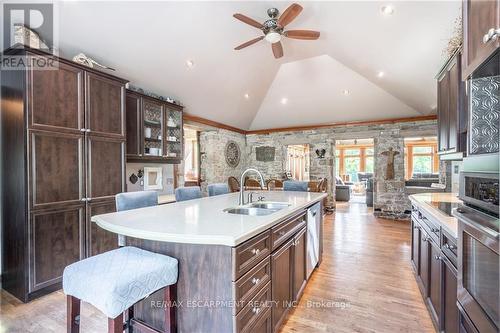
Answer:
x=273 y=37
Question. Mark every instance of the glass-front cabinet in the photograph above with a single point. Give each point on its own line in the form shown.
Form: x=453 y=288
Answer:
x=154 y=129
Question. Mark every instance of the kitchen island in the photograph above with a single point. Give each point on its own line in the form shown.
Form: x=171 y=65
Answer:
x=237 y=273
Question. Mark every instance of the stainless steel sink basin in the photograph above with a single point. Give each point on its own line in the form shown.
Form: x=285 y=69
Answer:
x=259 y=208
x=252 y=211
x=270 y=205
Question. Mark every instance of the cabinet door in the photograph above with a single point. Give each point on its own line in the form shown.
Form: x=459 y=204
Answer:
x=415 y=245
x=133 y=124
x=106 y=167
x=299 y=264
x=56 y=240
x=424 y=261
x=153 y=117
x=264 y=324
x=105 y=110
x=450 y=312
x=442 y=112
x=173 y=134
x=282 y=277
x=55 y=98
x=434 y=293
x=479 y=16
x=98 y=239
x=454 y=105
x=56 y=168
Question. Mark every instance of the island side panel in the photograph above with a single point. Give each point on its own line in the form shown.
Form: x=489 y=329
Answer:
x=205 y=273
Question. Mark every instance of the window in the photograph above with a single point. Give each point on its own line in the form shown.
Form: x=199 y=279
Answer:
x=421 y=156
x=191 y=162
x=351 y=159
x=298 y=161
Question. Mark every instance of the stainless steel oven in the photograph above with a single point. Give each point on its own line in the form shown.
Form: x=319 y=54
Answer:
x=478 y=250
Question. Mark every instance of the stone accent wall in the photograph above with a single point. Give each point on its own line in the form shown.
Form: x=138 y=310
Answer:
x=214 y=168
x=390 y=200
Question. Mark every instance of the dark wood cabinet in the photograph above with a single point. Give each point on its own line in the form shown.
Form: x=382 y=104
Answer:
x=98 y=239
x=434 y=289
x=436 y=273
x=133 y=122
x=105 y=109
x=452 y=108
x=63 y=142
x=449 y=311
x=56 y=168
x=282 y=282
x=64 y=110
x=478 y=18
x=299 y=264
x=56 y=240
x=154 y=129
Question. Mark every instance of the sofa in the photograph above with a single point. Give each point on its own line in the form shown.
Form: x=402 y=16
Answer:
x=342 y=190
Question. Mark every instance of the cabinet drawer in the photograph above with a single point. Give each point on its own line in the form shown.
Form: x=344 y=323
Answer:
x=250 y=283
x=286 y=229
x=432 y=229
x=449 y=247
x=248 y=254
x=254 y=310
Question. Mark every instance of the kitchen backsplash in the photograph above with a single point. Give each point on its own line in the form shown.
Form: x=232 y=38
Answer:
x=167 y=177
x=485 y=115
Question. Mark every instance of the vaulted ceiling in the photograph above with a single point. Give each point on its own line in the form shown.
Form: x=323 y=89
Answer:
x=150 y=42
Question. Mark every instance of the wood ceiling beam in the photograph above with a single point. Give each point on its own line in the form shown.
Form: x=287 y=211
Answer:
x=204 y=121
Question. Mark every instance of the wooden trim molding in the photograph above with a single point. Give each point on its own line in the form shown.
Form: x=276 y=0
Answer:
x=200 y=120
x=204 y=121
x=353 y=123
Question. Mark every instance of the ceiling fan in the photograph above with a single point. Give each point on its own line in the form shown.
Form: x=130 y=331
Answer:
x=273 y=28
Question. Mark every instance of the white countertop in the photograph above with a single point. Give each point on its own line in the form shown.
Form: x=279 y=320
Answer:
x=166 y=198
x=422 y=201
x=203 y=221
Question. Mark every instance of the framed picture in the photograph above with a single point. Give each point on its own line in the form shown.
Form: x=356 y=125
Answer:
x=153 y=178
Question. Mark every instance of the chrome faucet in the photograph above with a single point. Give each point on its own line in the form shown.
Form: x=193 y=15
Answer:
x=242 y=185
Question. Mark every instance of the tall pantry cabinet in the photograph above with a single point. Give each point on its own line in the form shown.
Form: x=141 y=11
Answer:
x=63 y=158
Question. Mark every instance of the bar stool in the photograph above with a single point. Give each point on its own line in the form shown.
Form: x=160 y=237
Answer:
x=187 y=193
x=217 y=189
x=294 y=185
x=114 y=281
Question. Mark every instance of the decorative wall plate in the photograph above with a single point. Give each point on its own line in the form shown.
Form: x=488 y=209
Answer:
x=232 y=153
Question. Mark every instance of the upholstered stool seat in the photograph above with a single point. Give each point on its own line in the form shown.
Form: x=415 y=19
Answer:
x=114 y=281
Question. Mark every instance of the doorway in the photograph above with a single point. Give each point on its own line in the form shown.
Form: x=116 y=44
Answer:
x=354 y=161
x=191 y=163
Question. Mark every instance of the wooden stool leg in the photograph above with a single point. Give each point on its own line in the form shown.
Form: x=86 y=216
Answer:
x=115 y=325
x=72 y=314
x=170 y=294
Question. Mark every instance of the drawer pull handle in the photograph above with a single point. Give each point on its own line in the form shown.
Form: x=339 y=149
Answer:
x=435 y=230
x=256 y=310
x=416 y=227
x=255 y=251
x=438 y=257
x=255 y=280
x=281 y=233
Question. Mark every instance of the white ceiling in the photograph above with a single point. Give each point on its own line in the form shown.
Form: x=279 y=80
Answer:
x=149 y=43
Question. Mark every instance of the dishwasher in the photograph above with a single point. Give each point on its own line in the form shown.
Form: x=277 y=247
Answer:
x=313 y=232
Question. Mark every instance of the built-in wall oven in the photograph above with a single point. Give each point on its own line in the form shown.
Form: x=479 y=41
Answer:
x=478 y=250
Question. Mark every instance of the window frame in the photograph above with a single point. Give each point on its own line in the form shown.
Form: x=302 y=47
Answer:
x=362 y=155
x=409 y=155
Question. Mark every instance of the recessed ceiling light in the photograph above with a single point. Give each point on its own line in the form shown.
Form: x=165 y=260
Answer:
x=380 y=74
x=189 y=63
x=345 y=92
x=284 y=100
x=247 y=96
x=387 y=10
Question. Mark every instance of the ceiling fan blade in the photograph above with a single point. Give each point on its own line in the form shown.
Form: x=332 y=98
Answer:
x=302 y=34
x=289 y=14
x=250 y=42
x=248 y=20
x=277 y=50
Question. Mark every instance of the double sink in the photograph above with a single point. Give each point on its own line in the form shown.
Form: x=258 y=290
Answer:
x=259 y=208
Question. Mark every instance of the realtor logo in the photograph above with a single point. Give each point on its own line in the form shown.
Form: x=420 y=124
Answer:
x=27 y=24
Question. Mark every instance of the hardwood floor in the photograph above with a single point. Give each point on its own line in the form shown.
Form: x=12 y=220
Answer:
x=366 y=275
x=365 y=284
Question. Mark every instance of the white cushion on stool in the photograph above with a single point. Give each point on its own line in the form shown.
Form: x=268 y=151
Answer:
x=115 y=280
